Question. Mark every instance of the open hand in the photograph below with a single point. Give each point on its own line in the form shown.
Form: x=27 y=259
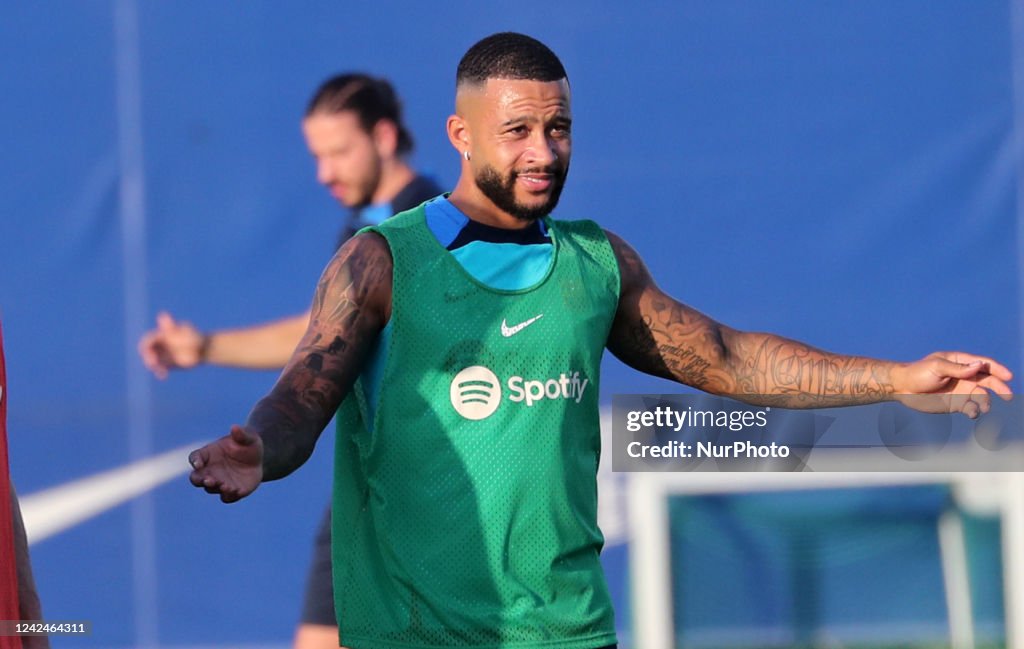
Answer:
x=952 y=382
x=232 y=466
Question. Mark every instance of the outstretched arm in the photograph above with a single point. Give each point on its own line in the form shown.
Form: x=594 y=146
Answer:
x=178 y=344
x=658 y=335
x=351 y=306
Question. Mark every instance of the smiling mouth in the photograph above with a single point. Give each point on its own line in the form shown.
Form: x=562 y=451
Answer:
x=536 y=181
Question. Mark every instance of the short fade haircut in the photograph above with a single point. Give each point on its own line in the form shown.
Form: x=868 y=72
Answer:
x=508 y=55
x=371 y=99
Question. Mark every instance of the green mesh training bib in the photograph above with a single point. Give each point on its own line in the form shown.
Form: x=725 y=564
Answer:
x=466 y=515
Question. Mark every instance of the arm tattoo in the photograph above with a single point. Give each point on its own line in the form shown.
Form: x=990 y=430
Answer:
x=791 y=374
x=658 y=335
x=349 y=309
x=669 y=338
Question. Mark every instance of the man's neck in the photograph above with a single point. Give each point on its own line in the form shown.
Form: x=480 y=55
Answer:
x=474 y=204
x=394 y=177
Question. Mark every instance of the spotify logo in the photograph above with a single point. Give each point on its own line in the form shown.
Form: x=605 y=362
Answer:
x=475 y=392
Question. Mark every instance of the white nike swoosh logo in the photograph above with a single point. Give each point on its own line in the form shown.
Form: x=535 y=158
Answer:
x=56 y=509
x=508 y=331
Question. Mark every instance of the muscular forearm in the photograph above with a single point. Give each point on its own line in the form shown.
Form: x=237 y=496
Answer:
x=290 y=419
x=351 y=306
x=673 y=341
x=659 y=335
x=288 y=435
x=266 y=346
x=770 y=370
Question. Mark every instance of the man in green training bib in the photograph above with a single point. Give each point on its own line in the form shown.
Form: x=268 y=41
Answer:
x=460 y=343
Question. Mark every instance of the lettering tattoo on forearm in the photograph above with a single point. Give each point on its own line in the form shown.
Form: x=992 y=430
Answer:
x=674 y=334
x=686 y=364
x=657 y=335
x=799 y=375
x=761 y=367
x=344 y=319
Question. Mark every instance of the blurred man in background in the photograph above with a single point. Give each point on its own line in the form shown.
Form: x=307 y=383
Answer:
x=354 y=129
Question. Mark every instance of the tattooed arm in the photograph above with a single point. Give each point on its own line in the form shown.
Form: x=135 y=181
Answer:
x=658 y=335
x=352 y=304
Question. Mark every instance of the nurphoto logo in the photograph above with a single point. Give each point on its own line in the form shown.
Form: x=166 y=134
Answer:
x=475 y=393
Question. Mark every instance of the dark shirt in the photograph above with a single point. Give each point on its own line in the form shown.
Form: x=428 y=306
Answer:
x=419 y=189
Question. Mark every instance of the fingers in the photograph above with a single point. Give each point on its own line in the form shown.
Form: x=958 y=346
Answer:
x=205 y=470
x=990 y=366
x=153 y=346
x=198 y=458
x=971 y=409
x=979 y=370
x=149 y=351
x=976 y=404
x=164 y=321
x=241 y=437
x=946 y=369
x=216 y=469
x=997 y=386
x=998 y=370
x=173 y=344
x=965 y=381
x=201 y=480
x=228 y=492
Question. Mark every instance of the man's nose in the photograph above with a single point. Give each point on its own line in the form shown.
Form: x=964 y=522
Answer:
x=541 y=151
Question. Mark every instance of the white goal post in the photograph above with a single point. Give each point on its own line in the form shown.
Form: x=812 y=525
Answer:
x=1001 y=493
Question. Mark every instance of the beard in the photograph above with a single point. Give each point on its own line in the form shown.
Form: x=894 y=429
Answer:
x=502 y=191
x=365 y=187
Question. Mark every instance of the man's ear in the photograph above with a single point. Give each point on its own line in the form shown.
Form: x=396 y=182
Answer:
x=385 y=138
x=458 y=134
